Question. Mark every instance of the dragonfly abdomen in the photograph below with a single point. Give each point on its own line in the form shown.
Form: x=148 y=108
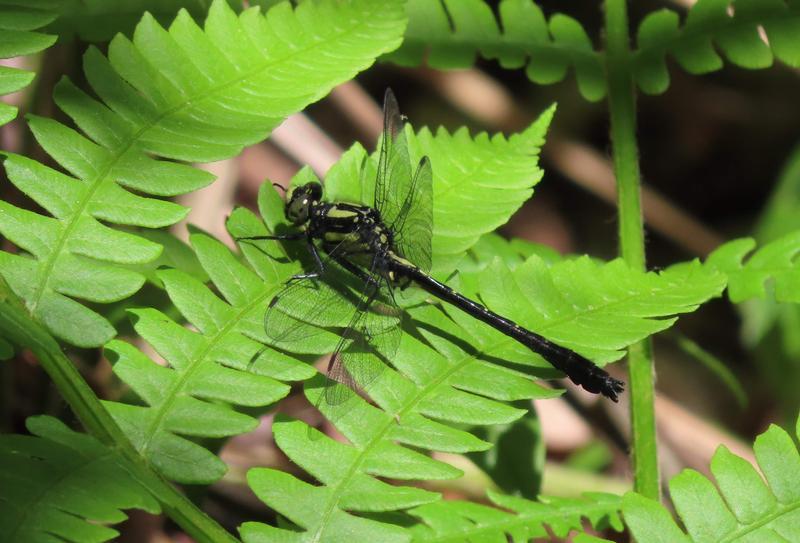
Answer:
x=580 y=370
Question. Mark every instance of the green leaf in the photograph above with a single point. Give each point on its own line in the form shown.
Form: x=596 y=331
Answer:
x=780 y=216
x=176 y=254
x=743 y=507
x=64 y=486
x=769 y=327
x=186 y=94
x=424 y=388
x=18 y=20
x=518 y=520
x=593 y=457
x=468 y=172
x=223 y=362
x=22 y=330
x=450 y=33
x=650 y=521
x=774 y=261
x=512 y=252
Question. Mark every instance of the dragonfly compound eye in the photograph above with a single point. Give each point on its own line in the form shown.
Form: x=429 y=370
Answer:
x=299 y=202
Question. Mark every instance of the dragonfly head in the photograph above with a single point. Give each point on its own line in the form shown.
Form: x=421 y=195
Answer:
x=299 y=201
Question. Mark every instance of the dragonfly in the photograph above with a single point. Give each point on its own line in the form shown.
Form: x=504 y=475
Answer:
x=361 y=254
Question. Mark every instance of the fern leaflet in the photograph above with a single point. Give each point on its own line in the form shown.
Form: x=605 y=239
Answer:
x=466 y=521
x=775 y=261
x=447 y=381
x=742 y=508
x=594 y=309
x=63 y=486
x=709 y=23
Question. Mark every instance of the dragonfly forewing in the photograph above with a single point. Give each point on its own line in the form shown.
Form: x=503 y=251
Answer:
x=413 y=226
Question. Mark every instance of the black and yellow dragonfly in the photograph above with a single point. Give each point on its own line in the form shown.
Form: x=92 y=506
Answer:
x=363 y=253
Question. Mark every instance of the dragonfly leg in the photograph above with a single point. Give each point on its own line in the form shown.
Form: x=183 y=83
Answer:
x=315 y=253
x=301 y=276
x=320 y=266
x=294 y=236
x=254 y=359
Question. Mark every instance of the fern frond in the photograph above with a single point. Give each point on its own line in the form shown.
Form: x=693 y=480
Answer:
x=223 y=362
x=416 y=401
x=741 y=508
x=709 y=24
x=775 y=261
x=347 y=471
x=18 y=21
x=63 y=486
x=522 y=520
x=185 y=94
x=452 y=32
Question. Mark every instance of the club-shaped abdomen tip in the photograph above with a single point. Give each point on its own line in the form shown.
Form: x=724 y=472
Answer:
x=612 y=388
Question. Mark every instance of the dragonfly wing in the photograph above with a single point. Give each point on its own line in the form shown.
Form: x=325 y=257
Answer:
x=413 y=227
x=302 y=309
x=405 y=202
x=394 y=169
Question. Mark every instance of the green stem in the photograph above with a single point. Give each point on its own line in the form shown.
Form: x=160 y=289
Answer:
x=622 y=111
x=19 y=328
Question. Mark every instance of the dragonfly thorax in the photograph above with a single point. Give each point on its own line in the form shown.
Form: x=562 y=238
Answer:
x=354 y=229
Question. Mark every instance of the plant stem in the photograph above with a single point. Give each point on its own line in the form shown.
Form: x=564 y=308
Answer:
x=622 y=111
x=19 y=328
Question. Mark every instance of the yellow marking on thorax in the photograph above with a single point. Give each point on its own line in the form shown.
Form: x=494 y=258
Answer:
x=338 y=213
